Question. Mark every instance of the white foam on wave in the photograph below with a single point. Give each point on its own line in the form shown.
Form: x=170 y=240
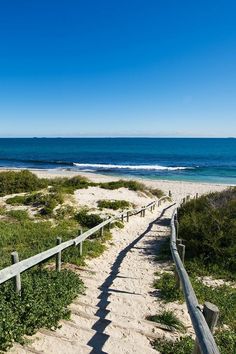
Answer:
x=131 y=167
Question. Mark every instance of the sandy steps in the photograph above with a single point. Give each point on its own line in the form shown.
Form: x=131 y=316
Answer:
x=66 y=343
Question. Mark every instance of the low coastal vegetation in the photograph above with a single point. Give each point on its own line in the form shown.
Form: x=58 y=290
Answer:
x=18 y=182
x=46 y=202
x=131 y=185
x=43 y=302
x=223 y=296
x=114 y=204
x=207 y=226
x=225 y=340
x=49 y=215
x=25 y=181
x=88 y=220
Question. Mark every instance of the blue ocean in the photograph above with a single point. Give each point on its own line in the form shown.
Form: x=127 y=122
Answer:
x=191 y=159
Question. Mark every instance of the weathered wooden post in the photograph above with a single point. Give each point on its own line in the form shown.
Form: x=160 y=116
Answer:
x=170 y=194
x=122 y=217
x=127 y=216
x=102 y=231
x=81 y=245
x=177 y=280
x=181 y=249
x=58 y=256
x=144 y=212
x=179 y=241
x=211 y=314
x=17 y=279
x=176 y=224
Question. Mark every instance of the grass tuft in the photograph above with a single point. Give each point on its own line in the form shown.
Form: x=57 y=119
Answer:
x=168 y=318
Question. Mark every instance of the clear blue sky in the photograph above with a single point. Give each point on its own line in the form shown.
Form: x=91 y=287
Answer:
x=109 y=67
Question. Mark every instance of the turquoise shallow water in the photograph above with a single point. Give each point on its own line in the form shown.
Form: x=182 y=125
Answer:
x=206 y=160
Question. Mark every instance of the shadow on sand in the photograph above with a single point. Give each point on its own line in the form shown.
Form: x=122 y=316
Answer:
x=99 y=339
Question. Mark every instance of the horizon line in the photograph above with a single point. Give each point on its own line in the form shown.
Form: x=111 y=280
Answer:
x=117 y=137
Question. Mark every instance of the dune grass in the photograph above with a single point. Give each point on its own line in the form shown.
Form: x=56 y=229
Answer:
x=168 y=318
x=114 y=204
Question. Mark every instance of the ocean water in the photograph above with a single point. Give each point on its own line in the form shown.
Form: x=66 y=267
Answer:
x=206 y=160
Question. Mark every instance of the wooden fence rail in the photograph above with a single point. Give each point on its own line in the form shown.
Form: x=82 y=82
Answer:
x=205 y=340
x=19 y=267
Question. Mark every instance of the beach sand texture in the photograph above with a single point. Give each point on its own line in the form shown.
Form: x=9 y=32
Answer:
x=111 y=316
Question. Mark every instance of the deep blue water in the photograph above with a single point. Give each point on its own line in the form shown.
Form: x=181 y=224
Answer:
x=208 y=160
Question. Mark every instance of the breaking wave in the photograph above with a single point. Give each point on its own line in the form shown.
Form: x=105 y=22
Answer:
x=97 y=166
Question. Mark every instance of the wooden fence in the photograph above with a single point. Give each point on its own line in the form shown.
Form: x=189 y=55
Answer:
x=203 y=322
x=18 y=267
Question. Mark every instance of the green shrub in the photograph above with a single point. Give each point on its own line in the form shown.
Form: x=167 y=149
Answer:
x=69 y=185
x=88 y=220
x=49 y=203
x=197 y=267
x=131 y=185
x=25 y=181
x=17 y=182
x=209 y=228
x=44 y=299
x=113 y=204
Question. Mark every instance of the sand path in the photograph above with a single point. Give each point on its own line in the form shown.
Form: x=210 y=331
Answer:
x=110 y=317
